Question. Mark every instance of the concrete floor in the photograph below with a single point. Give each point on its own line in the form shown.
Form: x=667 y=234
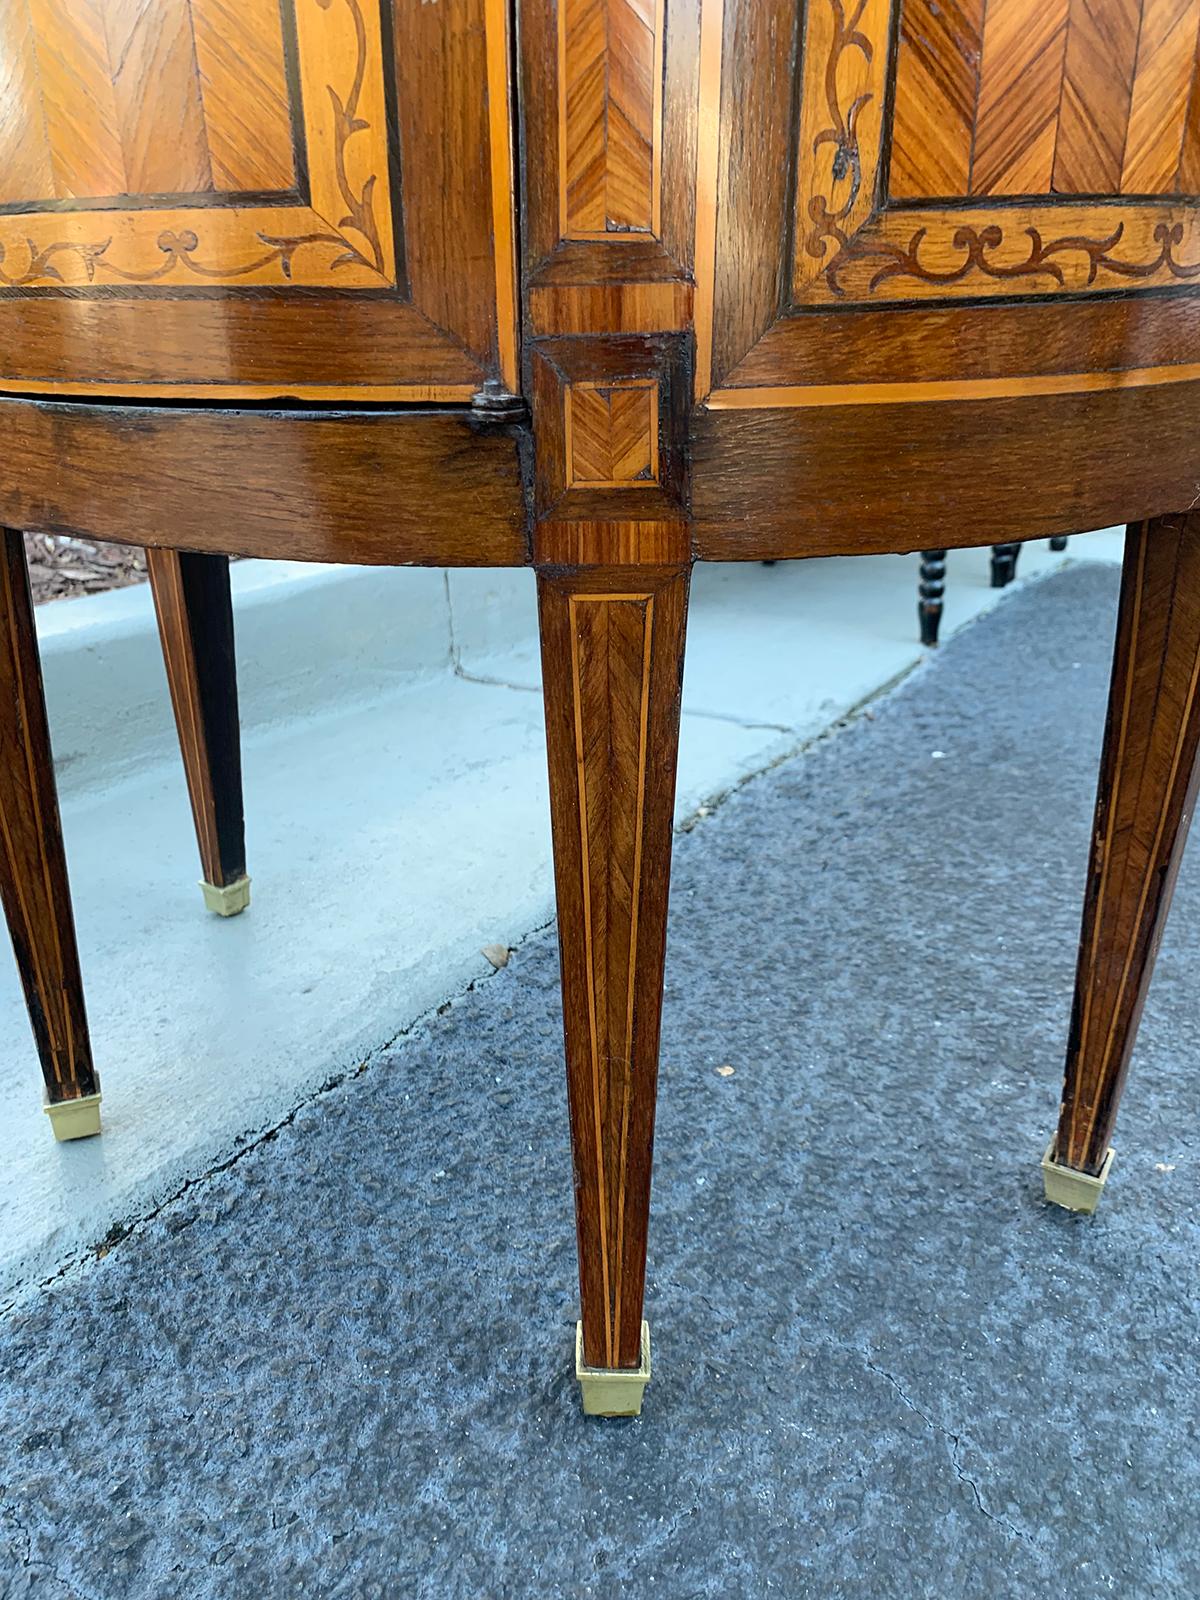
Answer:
x=341 y=1366
x=397 y=822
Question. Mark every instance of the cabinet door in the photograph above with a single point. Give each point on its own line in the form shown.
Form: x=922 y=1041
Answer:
x=253 y=198
x=947 y=268
x=914 y=191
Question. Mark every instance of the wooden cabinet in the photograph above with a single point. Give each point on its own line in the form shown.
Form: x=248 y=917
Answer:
x=238 y=200
x=634 y=283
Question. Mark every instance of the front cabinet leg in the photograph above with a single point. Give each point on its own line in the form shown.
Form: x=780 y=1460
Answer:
x=195 y=624
x=1143 y=806
x=612 y=657
x=33 y=866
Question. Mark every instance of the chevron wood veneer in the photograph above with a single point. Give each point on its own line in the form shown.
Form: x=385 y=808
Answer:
x=104 y=98
x=1098 y=70
x=1042 y=97
x=610 y=113
x=933 y=125
x=1020 y=89
x=611 y=434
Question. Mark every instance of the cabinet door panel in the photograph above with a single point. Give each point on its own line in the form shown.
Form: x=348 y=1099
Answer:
x=932 y=157
x=195 y=198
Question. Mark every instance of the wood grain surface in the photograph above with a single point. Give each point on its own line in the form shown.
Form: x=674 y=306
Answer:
x=612 y=658
x=411 y=487
x=181 y=154
x=33 y=867
x=195 y=624
x=1146 y=796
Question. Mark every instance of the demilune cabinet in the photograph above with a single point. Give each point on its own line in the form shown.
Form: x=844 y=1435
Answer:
x=604 y=287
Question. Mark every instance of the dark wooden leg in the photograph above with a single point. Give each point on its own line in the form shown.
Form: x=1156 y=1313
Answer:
x=33 y=866
x=195 y=622
x=1143 y=806
x=931 y=586
x=1059 y=542
x=1004 y=564
x=612 y=654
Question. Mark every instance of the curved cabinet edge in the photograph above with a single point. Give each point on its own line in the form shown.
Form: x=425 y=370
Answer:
x=868 y=479
x=432 y=488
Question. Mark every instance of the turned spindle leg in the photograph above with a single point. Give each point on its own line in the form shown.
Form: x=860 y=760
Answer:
x=195 y=623
x=612 y=653
x=931 y=586
x=33 y=866
x=1004 y=564
x=1143 y=806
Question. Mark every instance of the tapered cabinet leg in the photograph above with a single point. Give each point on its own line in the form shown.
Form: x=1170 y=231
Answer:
x=931 y=587
x=33 y=867
x=612 y=653
x=1143 y=806
x=195 y=622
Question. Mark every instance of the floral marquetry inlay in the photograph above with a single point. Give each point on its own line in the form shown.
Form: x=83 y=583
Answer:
x=339 y=235
x=1088 y=115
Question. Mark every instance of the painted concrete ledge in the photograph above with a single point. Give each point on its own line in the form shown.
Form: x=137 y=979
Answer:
x=396 y=823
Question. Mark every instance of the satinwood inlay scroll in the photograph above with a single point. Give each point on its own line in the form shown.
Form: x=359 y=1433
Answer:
x=841 y=120
x=1034 y=99
x=343 y=238
x=942 y=252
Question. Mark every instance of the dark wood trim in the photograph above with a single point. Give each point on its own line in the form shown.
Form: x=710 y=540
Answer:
x=33 y=865
x=195 y=624
x=612 y=655
x=1144 y=803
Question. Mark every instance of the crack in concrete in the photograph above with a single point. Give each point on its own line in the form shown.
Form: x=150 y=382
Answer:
x=123 y=1230
x=955 y=1439
x=29 y=1564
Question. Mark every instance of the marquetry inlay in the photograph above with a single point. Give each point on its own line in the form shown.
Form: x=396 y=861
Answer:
x=611 y=434
x=1052 y=97
x=1033 y=100
x=610 y=116
x=154 y=143
x=610 y=671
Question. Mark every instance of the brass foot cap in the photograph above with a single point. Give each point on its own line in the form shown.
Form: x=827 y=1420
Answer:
x=74 y=1119
x=1077 y=1191
x=612 y=1391
x=228 y=899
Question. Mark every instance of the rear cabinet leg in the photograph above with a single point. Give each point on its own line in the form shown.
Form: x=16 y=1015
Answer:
x=931 y=587
x=33 y=867
x=1004 y=564
x=1147 y=789
x=612 y=653
x=195 y=623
